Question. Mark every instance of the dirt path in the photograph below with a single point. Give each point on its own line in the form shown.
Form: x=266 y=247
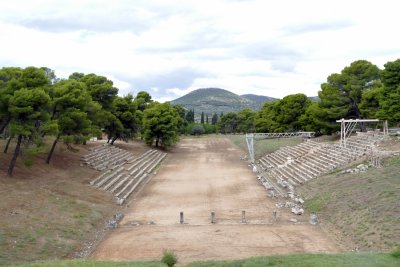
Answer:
x=199 y=176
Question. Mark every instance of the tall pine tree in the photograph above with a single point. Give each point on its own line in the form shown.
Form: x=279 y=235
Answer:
x=341 y=94
x=390 y=98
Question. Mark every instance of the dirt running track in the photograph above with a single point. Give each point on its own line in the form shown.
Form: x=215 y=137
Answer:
x=199 y=176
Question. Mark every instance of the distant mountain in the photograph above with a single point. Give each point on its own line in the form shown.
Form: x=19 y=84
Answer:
x=314 y=98
x=259 y=99
x=211 y=100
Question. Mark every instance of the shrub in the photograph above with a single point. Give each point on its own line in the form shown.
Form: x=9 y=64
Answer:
x=396 y=252
x=198 y=129
x=169 y=258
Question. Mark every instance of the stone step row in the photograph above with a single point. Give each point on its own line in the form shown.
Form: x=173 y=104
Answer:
x=114 y=174
x=99 y=151
x=138 y=162
x=292 y=167
x=113 y=161
x=124 y=179
x=107 y=157
x=284 y=155
x=135 y=180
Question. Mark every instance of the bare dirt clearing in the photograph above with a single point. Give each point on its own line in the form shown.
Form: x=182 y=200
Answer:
x=199 y=176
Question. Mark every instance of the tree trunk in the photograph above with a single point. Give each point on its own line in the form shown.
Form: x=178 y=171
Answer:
x=157 y=142
x=113 y=140
x=53 y=113
x=358 y=113
x=52 y=149
x=15 y=156
x=8 y=143
x=4 y=124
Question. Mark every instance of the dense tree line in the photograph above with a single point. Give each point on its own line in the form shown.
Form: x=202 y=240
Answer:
x=34 y=104
x=359 y=91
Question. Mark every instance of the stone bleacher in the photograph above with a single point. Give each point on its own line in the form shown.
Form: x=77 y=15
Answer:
x=293 y=166
x=123 y=173
x=107 y=156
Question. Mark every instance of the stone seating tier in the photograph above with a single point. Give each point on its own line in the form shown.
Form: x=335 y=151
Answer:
x=311 y=159
x=124 y=172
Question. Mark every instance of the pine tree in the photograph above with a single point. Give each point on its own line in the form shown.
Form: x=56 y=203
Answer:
x=214 y=119
x=390 y=98
x=29 y=113
x=160 y=123
x=341 y=94
x=190 y=116
x=69 y=111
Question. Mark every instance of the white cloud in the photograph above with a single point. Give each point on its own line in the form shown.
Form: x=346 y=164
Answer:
x=272 y=48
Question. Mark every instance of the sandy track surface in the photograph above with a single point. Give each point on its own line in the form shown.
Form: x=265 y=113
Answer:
x=199 y=176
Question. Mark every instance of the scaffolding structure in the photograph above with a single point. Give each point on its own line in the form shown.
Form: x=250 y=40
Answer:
x=347 y=127
x=251 y=136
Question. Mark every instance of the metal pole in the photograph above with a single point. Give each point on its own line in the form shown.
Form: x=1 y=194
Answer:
x=342 y=132
x=250 y=146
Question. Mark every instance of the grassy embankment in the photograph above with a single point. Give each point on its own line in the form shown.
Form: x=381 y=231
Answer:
x=361 y=209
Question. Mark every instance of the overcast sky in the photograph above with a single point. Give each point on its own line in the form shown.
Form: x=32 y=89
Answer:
x=171 y=47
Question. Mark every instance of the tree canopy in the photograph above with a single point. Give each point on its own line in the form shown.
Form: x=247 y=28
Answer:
x=342 y=93
x=160 y=124
x=389 y=96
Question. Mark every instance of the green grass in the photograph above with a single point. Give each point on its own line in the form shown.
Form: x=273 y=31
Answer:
x=296 y=260
x=316 y=204
x=396 y=252
x=264 y=146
